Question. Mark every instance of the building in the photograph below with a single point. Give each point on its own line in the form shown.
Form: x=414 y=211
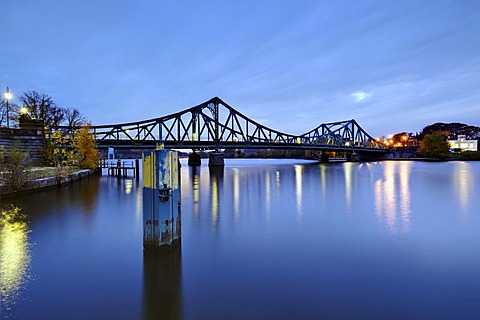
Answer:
x=463 y=144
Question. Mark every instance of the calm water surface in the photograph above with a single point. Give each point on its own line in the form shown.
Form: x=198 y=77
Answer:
x=275 y=239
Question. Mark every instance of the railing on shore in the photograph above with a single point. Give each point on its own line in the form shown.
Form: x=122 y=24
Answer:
x=120 y=168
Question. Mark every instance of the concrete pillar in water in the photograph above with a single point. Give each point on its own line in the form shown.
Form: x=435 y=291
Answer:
x=325 y=157
x=215 y=159
x=137 y=169
x=161 y=199
x=353 y=157
x=194 y=159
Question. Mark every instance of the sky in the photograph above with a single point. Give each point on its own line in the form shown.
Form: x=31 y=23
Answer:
x=291 y=65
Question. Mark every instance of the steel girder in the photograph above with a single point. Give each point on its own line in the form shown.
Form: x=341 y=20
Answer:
x=215 y=124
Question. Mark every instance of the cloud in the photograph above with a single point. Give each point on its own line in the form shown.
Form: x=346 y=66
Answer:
x=360 y=95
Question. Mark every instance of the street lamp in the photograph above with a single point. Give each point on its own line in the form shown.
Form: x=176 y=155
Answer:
x=404 y=138
x=7 y=96
x=23 y=110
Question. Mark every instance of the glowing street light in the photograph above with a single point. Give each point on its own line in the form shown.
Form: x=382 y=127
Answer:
x=404 y=138
x=7 y=96
x=23 y=110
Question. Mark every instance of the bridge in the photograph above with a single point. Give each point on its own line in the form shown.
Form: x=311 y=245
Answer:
x=216 y=125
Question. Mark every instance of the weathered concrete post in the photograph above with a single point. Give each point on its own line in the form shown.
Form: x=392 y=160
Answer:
x=161 y=199
x=119 y=165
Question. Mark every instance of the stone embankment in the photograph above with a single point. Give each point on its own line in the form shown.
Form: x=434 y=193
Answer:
x=47 y=182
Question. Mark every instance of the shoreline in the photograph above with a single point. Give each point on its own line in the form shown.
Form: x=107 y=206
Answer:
x=45 y=183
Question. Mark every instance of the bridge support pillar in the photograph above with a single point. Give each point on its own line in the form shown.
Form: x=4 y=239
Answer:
x=137 y=169
x=325 y=157
x=216 y=159
x=353 y=157
x=161 y=200
x=194 y=159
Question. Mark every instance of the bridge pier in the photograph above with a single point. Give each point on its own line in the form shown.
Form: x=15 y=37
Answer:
x=324 y=157
x=216 y=159
x=353 y=157
x=194 y=159
x=137 y=169
x=161 y=200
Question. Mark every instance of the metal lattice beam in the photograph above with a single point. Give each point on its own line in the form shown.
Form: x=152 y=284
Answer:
x=215 y=124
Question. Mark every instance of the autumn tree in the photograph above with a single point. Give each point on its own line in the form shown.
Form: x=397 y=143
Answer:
x=85 y=148
x=400 y=139
x=42 y=106
x=434 y=146
x=59 y=151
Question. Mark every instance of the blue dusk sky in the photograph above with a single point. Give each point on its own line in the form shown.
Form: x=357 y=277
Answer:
x=291 y=65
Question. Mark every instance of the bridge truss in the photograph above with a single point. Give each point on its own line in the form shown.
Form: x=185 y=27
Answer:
x=216 y=125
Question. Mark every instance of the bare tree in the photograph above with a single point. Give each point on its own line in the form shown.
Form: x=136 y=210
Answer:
x=12 y=112
x=3 y=111
x=42 y=106
x=74 y=118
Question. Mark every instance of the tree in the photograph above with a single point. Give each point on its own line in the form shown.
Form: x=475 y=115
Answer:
x=452 y=130
x=59 y=151
x=73 y=117
x=12 y=112
x=3 y=111
x=434 y=146
x=400 y=139
x=86 y=148
x=42 y=106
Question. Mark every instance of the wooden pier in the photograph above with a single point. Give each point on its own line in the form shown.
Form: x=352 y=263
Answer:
x=120 y=168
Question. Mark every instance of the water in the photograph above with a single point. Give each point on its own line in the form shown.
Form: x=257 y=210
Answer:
x=276 y=239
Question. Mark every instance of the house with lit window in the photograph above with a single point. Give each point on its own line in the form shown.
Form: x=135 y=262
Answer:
x=463 y=144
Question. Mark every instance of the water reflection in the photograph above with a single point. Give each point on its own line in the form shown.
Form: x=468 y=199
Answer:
x=405 y=168
x=216 y=178
x=267 y=192
x=128 y=186
x=463 y=183
x=393 y=192
x=162 y=275
x=14 y=256
x=298 y=190
x=236 y=194
x=348 y=172
x=195 y=174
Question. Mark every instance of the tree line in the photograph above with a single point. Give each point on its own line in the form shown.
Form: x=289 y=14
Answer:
x=35 y=105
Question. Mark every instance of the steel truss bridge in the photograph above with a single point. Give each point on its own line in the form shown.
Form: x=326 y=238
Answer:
x=216 y=125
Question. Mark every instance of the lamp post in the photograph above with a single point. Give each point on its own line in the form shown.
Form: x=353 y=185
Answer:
x=404 y=138
x=7 y=96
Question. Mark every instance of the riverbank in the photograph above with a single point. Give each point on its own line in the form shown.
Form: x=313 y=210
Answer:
x=47 y=182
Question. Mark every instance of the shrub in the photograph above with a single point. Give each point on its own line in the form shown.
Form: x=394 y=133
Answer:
x=15 y=168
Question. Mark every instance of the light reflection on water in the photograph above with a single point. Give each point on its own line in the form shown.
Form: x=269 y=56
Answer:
x=463 y=182
x=15 y=256
x=348 y=169
x=393 y=193
x=290 y=238
x=236 y=193
x=298 y=190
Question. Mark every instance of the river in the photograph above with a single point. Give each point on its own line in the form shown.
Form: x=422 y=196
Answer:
x=262 y=239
